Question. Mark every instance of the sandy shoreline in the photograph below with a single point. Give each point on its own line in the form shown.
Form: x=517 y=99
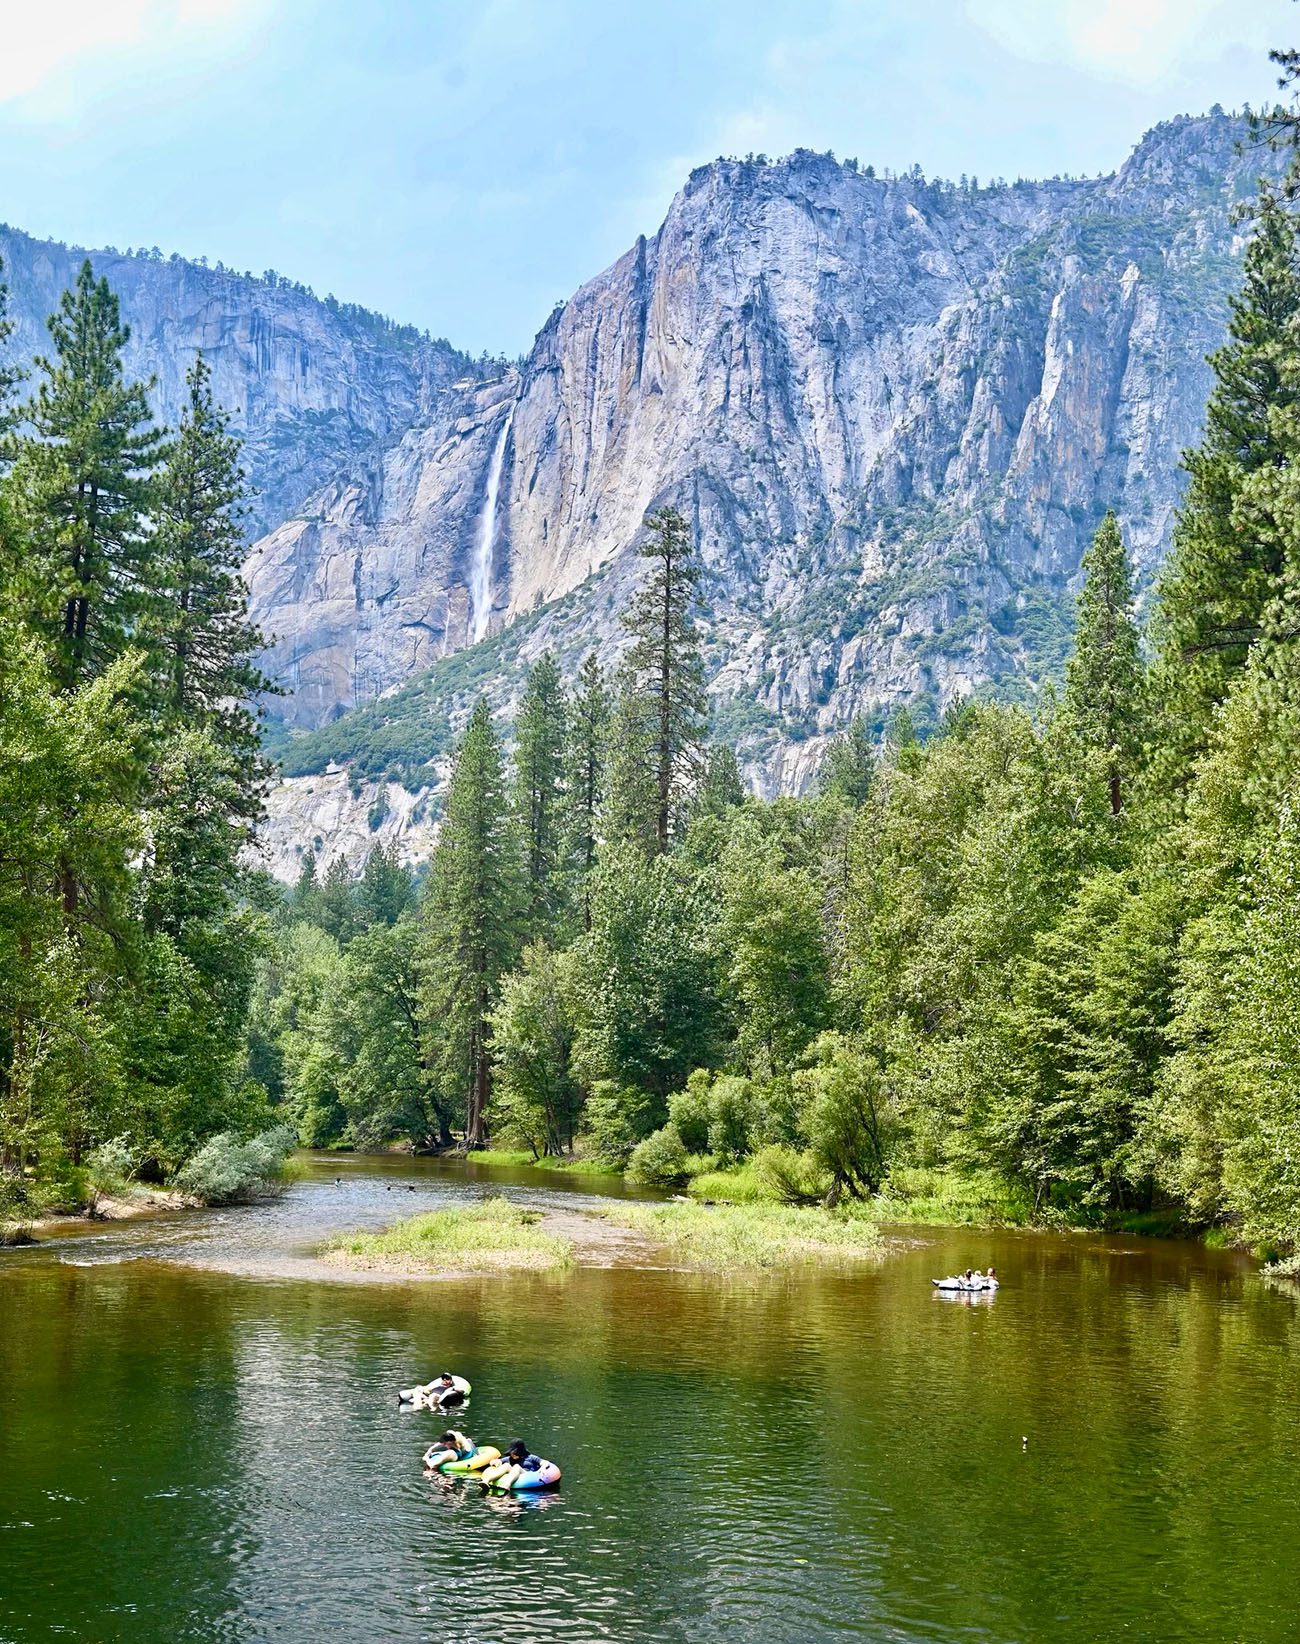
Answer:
x=144 y=1201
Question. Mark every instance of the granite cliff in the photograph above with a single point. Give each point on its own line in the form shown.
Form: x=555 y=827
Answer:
x=893 y=409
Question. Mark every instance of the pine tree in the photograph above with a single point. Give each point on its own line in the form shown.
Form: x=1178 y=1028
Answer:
x=631 y=804
x=1103 y=677
x=387 y=888
x=723 y=788
x=665 y=666
x=10 y=374
x=1226 y=556
x=541 y=730
x=83 y=480
x=472 y=921
x=588 y=750
x=850 y=766
x=205 y=640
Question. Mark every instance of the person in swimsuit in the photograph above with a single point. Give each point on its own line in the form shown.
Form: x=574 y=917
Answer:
x=451 y=1446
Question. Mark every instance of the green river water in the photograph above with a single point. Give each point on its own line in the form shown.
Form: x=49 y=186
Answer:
x=199 y=1440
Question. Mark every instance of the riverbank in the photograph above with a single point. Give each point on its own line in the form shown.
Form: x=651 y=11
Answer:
x=125 y=1206
x=496 y=1236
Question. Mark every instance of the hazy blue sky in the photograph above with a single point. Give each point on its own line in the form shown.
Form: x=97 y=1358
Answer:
x=466 y=166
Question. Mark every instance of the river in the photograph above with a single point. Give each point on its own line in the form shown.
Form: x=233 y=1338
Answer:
x=199 y=1440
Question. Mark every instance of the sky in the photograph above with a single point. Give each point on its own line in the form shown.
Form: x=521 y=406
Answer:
x=466 y=166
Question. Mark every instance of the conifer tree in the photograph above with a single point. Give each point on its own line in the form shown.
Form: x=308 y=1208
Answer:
x=387 y=888
x=665 y=667
x=588 y=749
x=83 y=480
x=472 y=920
x=850 y=765
x=1227 y=556
x=203 y=634
x=10 y=374
x=539 y=794
x=722 y=788
x=1103 y=677
x=631 y=803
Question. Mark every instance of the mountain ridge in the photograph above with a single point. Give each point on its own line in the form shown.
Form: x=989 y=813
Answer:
x=892 y=408
x=923 y=397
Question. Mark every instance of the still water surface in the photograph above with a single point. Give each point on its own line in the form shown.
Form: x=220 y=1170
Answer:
x=199 y=1440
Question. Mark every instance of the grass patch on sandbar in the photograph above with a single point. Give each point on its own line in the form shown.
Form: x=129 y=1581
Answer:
x=493 y=1236
x=738 y=1237
x=573 y=1163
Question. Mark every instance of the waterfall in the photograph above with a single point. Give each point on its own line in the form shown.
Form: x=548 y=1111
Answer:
x=480 y=576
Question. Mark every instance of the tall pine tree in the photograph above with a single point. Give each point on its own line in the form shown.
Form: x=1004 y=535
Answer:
x=1103 y=677
x=1227 y=555
x=472 y=920
x=665 y=669
x=205 y=640
x=83 y=481
x=541 y=729
x=588 y=748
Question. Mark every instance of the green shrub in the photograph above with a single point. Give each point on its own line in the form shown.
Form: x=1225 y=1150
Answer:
x=790 y=1177
x=226 y=1170
x=65 y=1192
x=111 y=1166
x=731 y=1109
x=661 y=1160
x=617 y=1118
x=689 y=1110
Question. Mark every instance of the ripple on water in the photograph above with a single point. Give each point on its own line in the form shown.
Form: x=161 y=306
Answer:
x=819 y=1457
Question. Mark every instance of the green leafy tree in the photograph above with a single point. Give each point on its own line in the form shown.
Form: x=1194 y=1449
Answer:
x=848 y=1115
x=649 y=982
x=1070 y=1062
x=537 y=1097
x=772 y=948
x=69 y=764
x=383 y=1042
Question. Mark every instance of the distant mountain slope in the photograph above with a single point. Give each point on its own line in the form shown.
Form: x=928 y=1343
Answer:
x=318 y=388
x=894 y=411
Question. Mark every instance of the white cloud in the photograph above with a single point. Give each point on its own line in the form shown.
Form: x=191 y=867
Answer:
x=1139 y=41
x=47 y=42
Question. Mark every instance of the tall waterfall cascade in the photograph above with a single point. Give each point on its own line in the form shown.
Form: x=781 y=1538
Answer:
x=480 y=576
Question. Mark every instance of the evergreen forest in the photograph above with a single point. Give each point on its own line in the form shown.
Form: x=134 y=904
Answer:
x=1045 y=964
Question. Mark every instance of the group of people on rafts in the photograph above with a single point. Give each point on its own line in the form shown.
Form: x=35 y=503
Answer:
x=454 y=1452
x=971 y=1279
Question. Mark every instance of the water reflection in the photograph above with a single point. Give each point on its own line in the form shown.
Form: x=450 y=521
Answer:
x=187 y=1454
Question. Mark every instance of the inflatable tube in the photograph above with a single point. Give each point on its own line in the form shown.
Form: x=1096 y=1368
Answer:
x=418 y=1397
x=542 y=1478
x=472 y=1463
x=960 y=1284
